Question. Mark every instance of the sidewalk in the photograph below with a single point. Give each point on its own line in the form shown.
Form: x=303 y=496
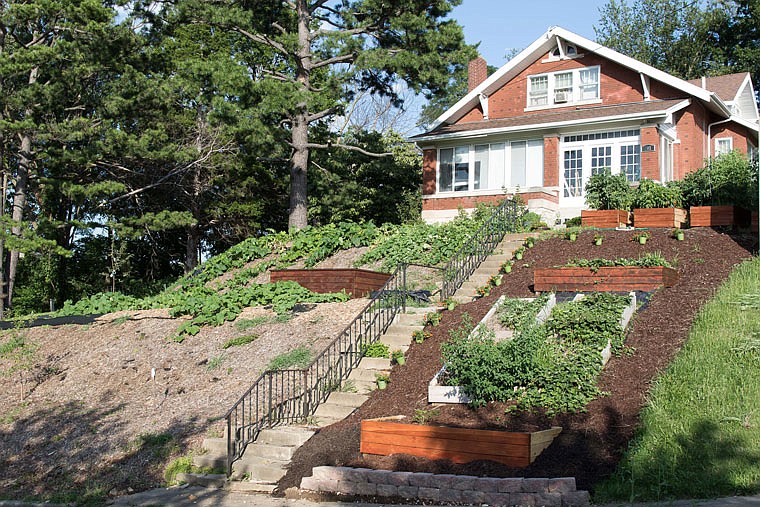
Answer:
x=197 y=496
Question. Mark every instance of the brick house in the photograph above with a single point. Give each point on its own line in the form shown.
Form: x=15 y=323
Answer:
x=565 y=108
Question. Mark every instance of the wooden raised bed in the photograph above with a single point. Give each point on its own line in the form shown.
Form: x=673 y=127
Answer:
x=357 y=282
x=607 y=279
x=718 y=216
x=659 y=217
x=605 y=219
x=460 y=445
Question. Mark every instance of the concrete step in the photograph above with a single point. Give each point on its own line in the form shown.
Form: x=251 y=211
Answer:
x=362 y=386
x=409 y=320
x=284 y=435
x=396 y=341
x=403 y=328
x=462 y=298
x=250 y=487
x=490 y=264
x=210 y=460
x=375 y=363
x=269 y=451
x=419 y=309
x=321 y=422
x=365 y=375
x=215 y=445
x=260 y=469
x=347 y=399
x=205 y=480
x=333 y=411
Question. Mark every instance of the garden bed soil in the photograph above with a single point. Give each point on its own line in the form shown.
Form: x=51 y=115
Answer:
x=592 y=442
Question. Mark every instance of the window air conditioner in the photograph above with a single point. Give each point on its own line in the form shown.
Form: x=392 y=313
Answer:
x=561 y=96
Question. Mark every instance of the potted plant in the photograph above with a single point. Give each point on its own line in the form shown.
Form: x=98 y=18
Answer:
x=506 y=267
x=397 y=356
x=678 y=234
x=598 y=238
x=641 y=237
x=495 y=280
x=610 y=197
x=483 y=291
x=382 y=380
x=450 y=303
x=657 y=205
x=419 y=336
x=432 y=318
x=519 y=253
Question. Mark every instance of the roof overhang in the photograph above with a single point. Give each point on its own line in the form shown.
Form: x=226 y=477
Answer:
x=547 y=42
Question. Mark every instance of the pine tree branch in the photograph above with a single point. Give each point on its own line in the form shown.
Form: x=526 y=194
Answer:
x=349 y=58
x=348 y=147
x=262 y=39
x=322 y=114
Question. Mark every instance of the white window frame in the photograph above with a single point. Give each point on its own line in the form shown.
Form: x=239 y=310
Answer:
x=721 y=140
x=457 y=189
x=574 y=95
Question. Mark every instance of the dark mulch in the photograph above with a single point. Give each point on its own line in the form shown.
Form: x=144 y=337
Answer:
x=591 y=443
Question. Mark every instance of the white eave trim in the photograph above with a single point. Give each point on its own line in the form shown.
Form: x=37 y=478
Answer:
x=546 y=42
x=540 y=126
x=746 y=123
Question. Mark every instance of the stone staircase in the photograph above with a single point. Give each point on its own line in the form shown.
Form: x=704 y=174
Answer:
x=490 y=266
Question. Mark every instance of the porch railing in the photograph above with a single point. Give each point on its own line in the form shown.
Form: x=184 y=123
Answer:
x=289 y=396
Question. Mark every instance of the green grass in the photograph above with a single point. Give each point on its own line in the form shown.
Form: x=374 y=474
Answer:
x=240 y=340
x=700 y=432
x=246 y=324
x=297 y=358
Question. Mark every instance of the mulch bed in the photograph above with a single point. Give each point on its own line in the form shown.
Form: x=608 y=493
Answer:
x=592 y=441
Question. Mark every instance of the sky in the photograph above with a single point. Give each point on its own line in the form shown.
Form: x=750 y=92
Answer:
x=502 y=26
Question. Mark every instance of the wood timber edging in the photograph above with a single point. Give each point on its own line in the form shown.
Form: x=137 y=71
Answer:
x=605 y=279
x=605 y=219
x=659 y=217
x=357 y=282
x=459 y=445
x=718 y=216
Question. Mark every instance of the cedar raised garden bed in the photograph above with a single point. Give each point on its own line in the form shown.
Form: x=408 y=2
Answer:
x=357 y=282
x=460 y=445
x=605 y=279
x=718 y=216
x=605 y=219
x=659 y=217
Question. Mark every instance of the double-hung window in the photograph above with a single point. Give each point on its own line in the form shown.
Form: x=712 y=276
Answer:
x=723 y=145
x=471 y=167
x=564 y=87
x=630 y=161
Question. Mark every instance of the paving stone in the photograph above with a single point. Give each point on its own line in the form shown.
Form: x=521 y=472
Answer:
x=511 y=485
x=424 y=480
x=561 y=485
x=432 y=494
x=534 y=485
x=387 y=490
x=408 y=491
x=486 y=484
x=576 y=499
x=399 y=478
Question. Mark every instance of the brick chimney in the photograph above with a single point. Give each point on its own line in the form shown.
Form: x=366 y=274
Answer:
x=477 y=72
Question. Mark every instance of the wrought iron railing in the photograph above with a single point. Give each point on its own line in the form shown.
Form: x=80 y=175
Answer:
x=467 y=259
x=289 y=396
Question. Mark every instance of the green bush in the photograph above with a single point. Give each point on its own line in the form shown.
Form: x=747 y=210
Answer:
x=729 y=179
x=650 y=194
x=377 y=349
x=574 y=222
x=605 y=191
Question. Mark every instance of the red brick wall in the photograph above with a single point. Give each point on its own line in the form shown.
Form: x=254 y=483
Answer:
x=551 y=161
x=618 y=85
x=690 y=153
x=468 y=202
x=428 y=171
x=737 y=132
x=477 y=72
x=650 y=164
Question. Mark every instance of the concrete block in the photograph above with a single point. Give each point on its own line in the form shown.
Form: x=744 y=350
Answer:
x=510 y=485
x=399 y=478
x=533 y=485
x=378 y=476
x=366 y=489
x=356 y=475
x=387 y=490
x=432 y=494
x=408 y=491
x=576 y=499
x=523 y=499
x=463 y=482
x=549 y=499
x=498 y=499
x=561 y=485
x=423 y=480
x=450 y=495
x=310 y=483
x=486 y=484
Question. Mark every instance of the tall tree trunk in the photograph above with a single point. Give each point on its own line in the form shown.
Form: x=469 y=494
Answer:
x=19 y=194
x=299 y=163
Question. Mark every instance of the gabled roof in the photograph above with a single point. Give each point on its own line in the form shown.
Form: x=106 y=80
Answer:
x=727 y=86
x=546 y=43
x=549 y=119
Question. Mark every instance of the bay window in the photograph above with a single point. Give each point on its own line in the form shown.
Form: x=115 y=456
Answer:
x=568 y=86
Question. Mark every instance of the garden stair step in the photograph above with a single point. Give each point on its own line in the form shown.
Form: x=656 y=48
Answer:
x=269 y=451
x=410 y=319
x=347 y=399
x=215 y=445
x=364 y=375
x=251 y=487
x=418 y=310
x=333 y=411
x=374 y=363
x=260 y=470
x=217 y=461
x=397 y=341
x=294 y=436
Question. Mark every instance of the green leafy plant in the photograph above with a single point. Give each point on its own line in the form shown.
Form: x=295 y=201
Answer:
x=420 y=335
x=506 y=267
x=516 y=313
x=649 y=259
x=246 y=324
x=397 y=356
x=299 y=357
x=240 y=340
x=450 y=303
x=494 y=281
x=377 y=349
x=650 y=194
x=215 y=362
x=605 y=191
x=598 y=239
x=572 y=234
x=423 y=416
x=432 y=318
x=640 y=236
x=728 y=179
x=519 y=253
x=483 y=291
x=530 y=241
x=382 y=380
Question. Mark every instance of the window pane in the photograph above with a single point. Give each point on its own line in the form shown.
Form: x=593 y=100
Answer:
x=589 y=86
x=446 y=170
x=461 y=168
x=539 y=91
x=518 y=164
x=601 y=159
x=573 y=173
x=481 y=167
x=534 y=163
x=563 y=81
x=630 y=162
x=495 y=167
x=723 y=145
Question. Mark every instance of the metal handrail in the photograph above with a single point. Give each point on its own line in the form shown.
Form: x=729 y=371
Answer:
x=292 y=395
x=469 y=256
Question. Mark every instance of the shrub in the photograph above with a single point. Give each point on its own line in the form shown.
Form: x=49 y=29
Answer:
x=728 y=179
x=651 y=194
x=377 y=349
x=606 y=191
x=574 y=222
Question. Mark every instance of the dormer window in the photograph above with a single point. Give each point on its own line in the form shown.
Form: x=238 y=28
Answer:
x=569 y=51
x=563 y=88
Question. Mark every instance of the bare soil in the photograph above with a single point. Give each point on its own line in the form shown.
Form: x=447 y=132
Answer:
x=592 y=441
